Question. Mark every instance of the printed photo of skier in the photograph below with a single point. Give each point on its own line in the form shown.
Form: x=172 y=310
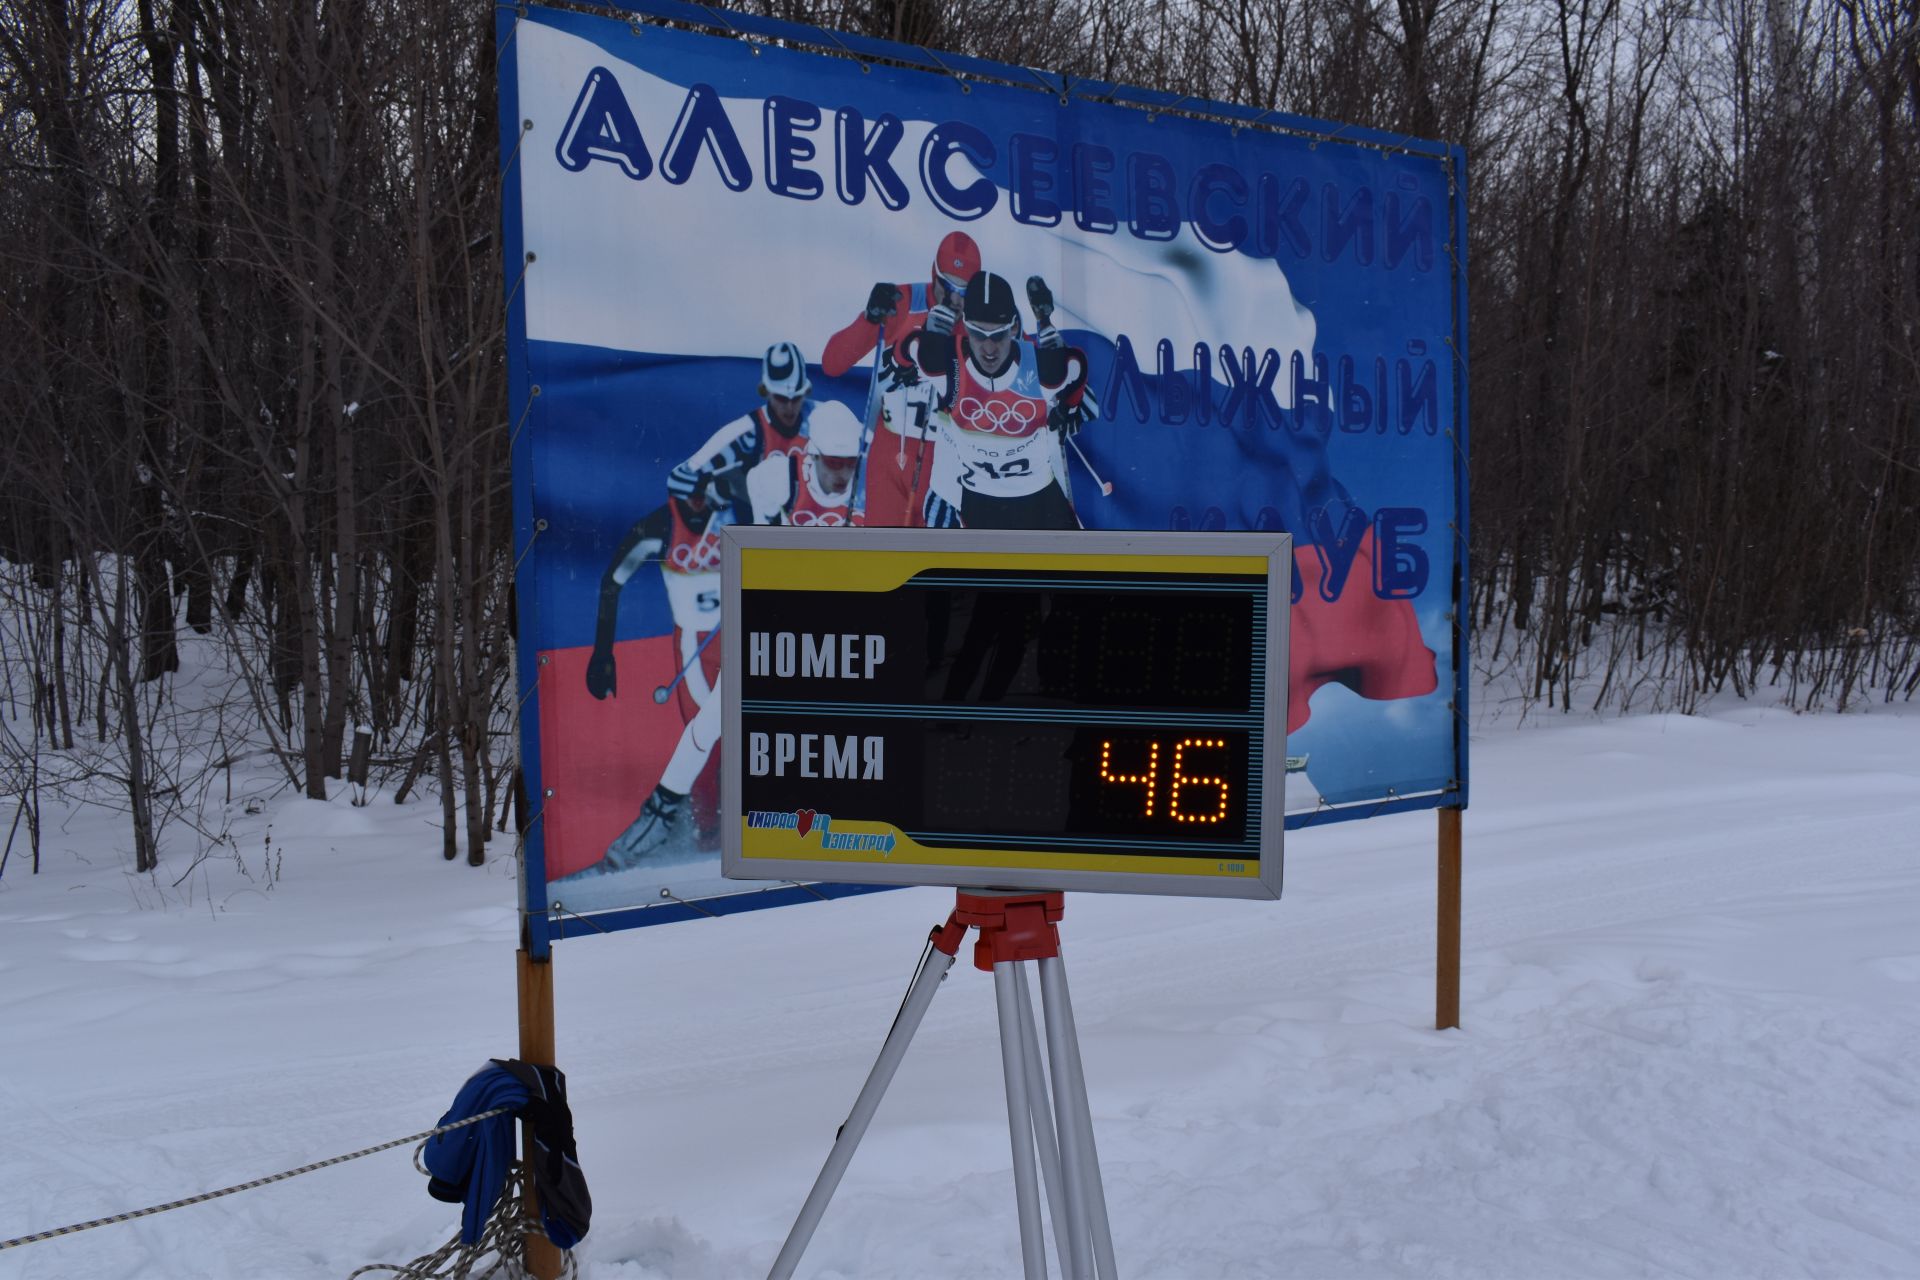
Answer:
x=1002 y=402
x=902 y=488
x=788 y=460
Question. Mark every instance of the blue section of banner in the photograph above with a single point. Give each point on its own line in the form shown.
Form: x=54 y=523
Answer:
x=533 y=887
x=1270 y=323
x=1461 y=612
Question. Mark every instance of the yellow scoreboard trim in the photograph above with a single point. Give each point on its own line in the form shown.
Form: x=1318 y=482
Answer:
x=759 y=842
x=855 y=568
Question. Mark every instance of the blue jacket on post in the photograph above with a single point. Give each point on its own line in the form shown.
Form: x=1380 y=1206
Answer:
x=469 y=1165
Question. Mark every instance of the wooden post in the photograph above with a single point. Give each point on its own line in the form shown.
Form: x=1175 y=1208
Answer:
x=359 y=763
x=536 y=1046
x=362 y=758
x=1446 y=999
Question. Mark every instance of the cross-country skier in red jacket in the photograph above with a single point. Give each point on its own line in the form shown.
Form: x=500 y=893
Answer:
x=899 y=470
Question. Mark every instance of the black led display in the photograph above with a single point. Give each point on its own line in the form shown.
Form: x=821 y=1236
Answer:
x=1070 y=711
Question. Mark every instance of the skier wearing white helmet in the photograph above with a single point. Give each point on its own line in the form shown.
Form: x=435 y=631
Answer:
x=776 y=429
x=819 y=491
x=713 y=488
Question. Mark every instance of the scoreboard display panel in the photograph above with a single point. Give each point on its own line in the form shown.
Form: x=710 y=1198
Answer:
x=988 y=709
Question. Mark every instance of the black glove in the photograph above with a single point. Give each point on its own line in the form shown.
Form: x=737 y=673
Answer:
x=881 y=303
x=600 y=673
x=940 y=320
x=1067 y=419
x=1040 y=298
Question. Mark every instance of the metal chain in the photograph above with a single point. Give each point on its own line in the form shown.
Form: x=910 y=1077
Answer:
x=38 y=1236
x=504 y=1240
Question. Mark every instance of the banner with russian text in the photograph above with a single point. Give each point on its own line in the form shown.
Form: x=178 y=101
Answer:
x=758 y=283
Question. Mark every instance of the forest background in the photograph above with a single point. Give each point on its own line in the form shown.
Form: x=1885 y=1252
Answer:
x=253 y=382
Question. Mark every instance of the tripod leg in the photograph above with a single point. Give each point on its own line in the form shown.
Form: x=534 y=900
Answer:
x=1070 y=1094
x=912 y=1010
x=1073 y=1151
x=1033 y=1247
x=1043 y=1130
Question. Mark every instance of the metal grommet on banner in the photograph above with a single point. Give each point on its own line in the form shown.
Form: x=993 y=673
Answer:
x=672 y=897
x=559 y=909
x=540 y=525
x=534 y=390
x=526 y=126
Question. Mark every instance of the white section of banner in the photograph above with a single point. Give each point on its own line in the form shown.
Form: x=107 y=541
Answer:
x=696 y=269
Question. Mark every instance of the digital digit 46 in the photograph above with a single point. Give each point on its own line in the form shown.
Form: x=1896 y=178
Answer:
x=1148 y=779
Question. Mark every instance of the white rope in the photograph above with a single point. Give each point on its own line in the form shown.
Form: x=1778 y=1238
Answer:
x=56 y=1232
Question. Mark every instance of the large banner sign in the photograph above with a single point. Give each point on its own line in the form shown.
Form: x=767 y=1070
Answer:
x=755 y=284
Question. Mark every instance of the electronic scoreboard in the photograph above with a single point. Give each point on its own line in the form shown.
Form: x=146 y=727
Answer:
x=1086 y=710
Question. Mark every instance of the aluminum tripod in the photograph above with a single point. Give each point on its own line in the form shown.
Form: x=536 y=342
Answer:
x=1014 y=928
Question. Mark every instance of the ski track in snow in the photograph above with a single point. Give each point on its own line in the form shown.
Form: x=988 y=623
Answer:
x=1691 y=1007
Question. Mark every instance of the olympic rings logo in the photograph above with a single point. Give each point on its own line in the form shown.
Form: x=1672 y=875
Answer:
x=824 y=519
x=1015 y=418
x=701 y=556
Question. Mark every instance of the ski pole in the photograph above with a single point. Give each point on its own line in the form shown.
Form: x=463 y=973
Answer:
x=1106 y=487
x=665 y=691
x=869 y=422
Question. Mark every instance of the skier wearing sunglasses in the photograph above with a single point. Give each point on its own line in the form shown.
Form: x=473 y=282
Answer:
x=1005 y=401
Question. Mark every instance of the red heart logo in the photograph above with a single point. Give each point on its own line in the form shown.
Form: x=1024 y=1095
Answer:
x=805 y=823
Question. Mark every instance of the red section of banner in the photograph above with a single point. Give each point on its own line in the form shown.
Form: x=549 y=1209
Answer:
x=601 y=758
x=1372 y=646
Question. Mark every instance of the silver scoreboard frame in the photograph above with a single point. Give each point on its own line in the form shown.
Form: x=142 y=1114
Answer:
x=1174 y=548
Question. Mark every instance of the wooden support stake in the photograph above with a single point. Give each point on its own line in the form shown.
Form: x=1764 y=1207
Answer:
x=536 y=1046
x=1446 y=999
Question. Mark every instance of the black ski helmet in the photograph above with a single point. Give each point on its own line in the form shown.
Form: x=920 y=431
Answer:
x=990 y=302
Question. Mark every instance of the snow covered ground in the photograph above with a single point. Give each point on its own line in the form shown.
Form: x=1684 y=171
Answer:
x=1691 y=1041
